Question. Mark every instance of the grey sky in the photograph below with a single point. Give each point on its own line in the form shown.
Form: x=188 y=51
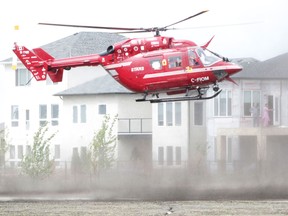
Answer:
x=265 y=38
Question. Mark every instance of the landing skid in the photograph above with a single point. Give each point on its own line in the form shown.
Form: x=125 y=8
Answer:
x=184 y=98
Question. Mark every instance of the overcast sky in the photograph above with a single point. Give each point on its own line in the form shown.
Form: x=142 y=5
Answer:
x=264 y=36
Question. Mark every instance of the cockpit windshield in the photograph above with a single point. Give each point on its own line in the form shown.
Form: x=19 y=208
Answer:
x=207 y=57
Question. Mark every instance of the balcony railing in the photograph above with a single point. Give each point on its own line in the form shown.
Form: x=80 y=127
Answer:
x=134 y=126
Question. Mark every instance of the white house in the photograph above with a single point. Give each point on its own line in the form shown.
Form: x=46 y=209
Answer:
x=27 y=103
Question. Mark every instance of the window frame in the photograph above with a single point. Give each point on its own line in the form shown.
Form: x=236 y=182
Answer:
x=79 y=114
x=247 y=106
x=14 y=115
x=169 y=114
x=224 y=97
x=22 y=77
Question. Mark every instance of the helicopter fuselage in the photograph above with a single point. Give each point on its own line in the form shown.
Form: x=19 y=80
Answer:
x=149 y=65
x=171 y=70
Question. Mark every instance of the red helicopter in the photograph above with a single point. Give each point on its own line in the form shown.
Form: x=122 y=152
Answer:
x=150 y=66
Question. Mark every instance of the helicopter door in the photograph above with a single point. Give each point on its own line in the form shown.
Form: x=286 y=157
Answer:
x=175 y=61
x=174 y=69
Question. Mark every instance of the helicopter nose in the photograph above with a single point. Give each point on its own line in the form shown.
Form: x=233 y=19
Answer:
x=228 y=70
x=233 y=68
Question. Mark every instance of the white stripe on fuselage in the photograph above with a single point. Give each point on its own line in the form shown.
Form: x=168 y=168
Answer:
x=179 y=72
x=118 y=65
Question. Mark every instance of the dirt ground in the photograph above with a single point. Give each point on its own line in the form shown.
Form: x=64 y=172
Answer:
x=151 y=208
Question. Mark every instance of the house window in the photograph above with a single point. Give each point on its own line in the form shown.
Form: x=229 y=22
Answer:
x=20 y=151
x=229 y=149
x=75 y=114
x=172 y=114
x=169 y=114
x=160 y=114
x=160 y=155
x=23 y=77
x=28 y=149
x=12 y=152
x=198 y=113
x=57 y=152
x=178 y=155
x=27 y=118
x=14 y=115
x=178 y=117
x=54 y=114
x=42 y=114
x=250 y=98
x=84 y=154
x=223 y=104
x=102 y=109
x=82 y=113
x=169 y=155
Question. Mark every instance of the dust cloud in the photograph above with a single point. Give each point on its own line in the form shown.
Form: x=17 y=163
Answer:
x=157 y=184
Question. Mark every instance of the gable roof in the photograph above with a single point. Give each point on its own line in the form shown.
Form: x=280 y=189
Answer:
x=274 y=68
x=82 y=43
x=101 y=85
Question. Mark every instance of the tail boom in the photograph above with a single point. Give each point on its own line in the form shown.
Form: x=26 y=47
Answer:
x=40 y=63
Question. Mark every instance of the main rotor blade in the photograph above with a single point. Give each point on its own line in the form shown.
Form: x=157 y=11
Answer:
x=131 y=30
x=216 y=26
x=96 y=27
x=186 y=19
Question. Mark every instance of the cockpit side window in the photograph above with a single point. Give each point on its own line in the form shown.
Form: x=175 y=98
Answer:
x=207 y=58
x=192 y=58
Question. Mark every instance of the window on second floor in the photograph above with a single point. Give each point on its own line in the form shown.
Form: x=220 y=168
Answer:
x=161 y=114
x=42 y=114
x=223 y=104
x=44 y=117
x=27 y=119
x=83 y=113
x=54 y=114
x=169 y=114
x=250 y=98
x=79 y=112
x=14 y=115
x=102 y=109
x=23 y=77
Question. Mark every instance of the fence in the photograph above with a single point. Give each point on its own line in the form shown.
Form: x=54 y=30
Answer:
x=134 y=125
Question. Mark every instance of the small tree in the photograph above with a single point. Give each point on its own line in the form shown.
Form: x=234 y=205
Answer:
x=102 y=147
x=37 y=163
